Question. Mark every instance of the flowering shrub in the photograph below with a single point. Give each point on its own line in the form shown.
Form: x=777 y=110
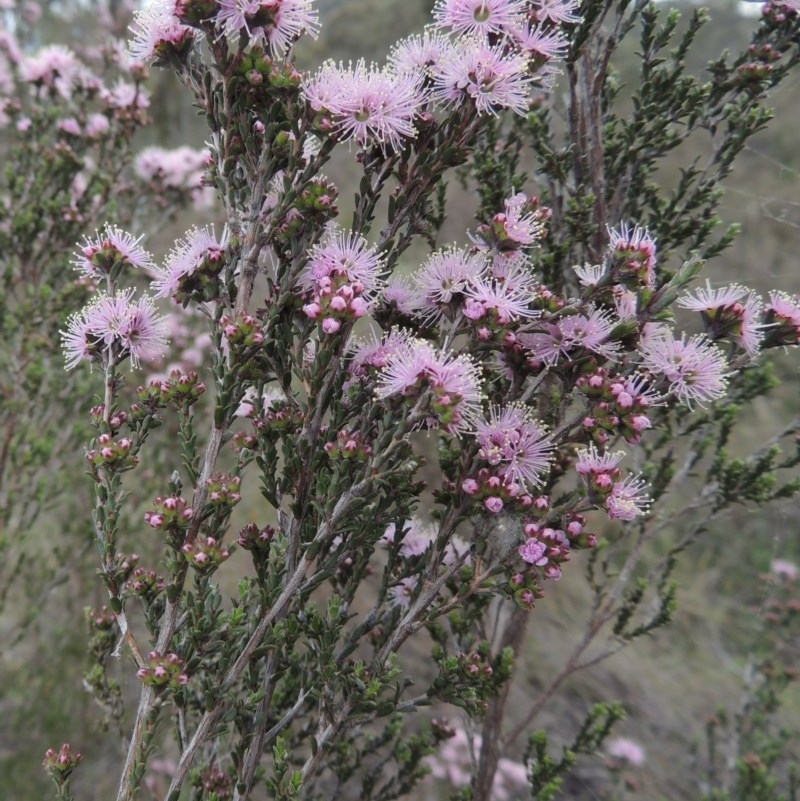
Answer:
x=527 y=357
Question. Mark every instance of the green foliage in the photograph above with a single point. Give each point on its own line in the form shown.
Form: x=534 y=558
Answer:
x=547 y=773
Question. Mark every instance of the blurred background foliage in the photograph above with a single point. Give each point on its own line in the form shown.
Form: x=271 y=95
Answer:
x=670 y=684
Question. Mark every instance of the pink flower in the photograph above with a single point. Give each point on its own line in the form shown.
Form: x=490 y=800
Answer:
x=540 y=42
x=109 y=249
x=443 y=279
x=117 y=326
x=490 y=77
x=500 y=302
x=126 y=96
x=345 y=255
x=54 y=66
x=730 y=311
x=375 y=353
x=399 y=293
x=416 y=537
x=453 y=382
x=371 y=106
x=629 y=750
x=402 y=592
x=279 y=22
x=628 y=499
x=533 y=552
x=590 y=274
x=782 y=320
x=592 y=462
x=97 y=125
x=193 y=266
x=785 y=568
x=573 y=332
x=419 y=52
x=633 y=254
x=180 y=168
x=557 y=11
x=483 y=17
x=519 y=446
x=519 y=225
x=695 y=369
x=158 y=33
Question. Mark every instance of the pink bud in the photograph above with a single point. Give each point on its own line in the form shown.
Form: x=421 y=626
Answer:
x=494 y=505
x=470 y=486
x=330 y=325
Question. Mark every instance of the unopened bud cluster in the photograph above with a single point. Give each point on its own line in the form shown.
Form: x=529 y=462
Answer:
x=205 y=553
x=163 y=671
x=112 y=453
x=60 y=764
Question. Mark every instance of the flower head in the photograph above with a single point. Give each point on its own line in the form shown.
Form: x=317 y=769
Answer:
x=401 y=593
x=415 y=537
x=628 y=499
x=193 y=266
x=373 y=107
x=444 y=278
x=375 y=352
x=633 y=255
x=420 y=52
x=109 y=249
x=695 y=368
x=628 y=750
x=54 y=66
x=277 y=22
x=482 y=17
x=346 y=255
x=490 y=77
x=593 y=463
x=117 y=326
x=576 y=332
x=515 y=443
x=558 y=11
x=730 y=311
x=453 y=384
x=782 y=320
x=519 y=225
x=157 y=34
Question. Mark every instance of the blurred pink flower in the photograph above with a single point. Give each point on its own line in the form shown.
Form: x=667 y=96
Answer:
x=628 y=750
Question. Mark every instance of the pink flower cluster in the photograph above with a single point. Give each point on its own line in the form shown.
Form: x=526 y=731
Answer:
x=61 y=763
x=730 y=312
x=449 y=386
x=520 y=225
x=163 y=31
x=114 y=327
x=694 y=369
x=632 y=254
x=172 y=514
x=518 y=451
x=192 y=268
x=179 y=169
x=496 y=54
x=624 y=499
x=111 y=250
x=163 y=671
x=617 y=405
x=627 y=750
x=205 y=553
x=571 y=337
x=367 y=105
x=453 y=763
x=546 y=548
x=340 y=280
